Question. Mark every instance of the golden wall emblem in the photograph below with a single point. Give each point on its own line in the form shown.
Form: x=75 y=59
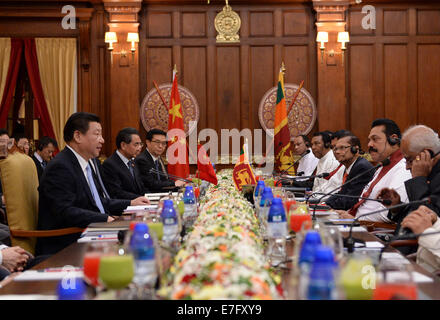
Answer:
x=227 y=23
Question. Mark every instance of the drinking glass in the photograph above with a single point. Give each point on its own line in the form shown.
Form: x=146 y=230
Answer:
x=298 y=214
x=331 y=236
x=116 y=269
x=395 y=282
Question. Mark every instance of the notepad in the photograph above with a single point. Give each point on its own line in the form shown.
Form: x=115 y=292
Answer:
x=355 y=229
x=103 y=238
x=49 y=274
x=27 y=297
x=369 y=245
x=141 y=208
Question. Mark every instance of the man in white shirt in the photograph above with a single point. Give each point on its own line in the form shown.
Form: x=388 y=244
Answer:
x=327 y=163
x=383 y=143
x=308 y=162
x=424 y=220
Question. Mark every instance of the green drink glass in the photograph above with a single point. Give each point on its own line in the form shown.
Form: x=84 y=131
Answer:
x=116 y=271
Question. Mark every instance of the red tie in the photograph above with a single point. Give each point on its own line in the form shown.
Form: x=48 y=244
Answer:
x=345 y=176
x=394 y=159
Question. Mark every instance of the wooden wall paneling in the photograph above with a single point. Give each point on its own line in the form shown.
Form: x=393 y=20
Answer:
x=228 y=87
x=396 y=83
x=428 y=83
x=395 y=22
x=261 y=23
x=160 y=62
x=211 y=76
x=428 y=22
x=194 y=78
x=412 y=67
x=159 y=24
x=193 y=24
x=362 y=89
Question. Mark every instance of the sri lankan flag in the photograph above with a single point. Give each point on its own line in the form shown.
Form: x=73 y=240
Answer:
x=282 y=149
x=243 y=173
x=177 y=153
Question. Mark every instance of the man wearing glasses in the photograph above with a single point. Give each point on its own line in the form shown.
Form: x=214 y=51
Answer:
x=150 y=159
x=120 y=173
x=347 y=151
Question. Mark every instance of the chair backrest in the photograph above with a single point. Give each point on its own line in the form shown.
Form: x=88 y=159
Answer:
x=20 y=188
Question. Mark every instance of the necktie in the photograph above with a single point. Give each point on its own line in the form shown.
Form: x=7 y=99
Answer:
x=98 y=175
x=130 y=165
x=43 y=164
x=345 y=177
x=93 y=189
x=156 y=163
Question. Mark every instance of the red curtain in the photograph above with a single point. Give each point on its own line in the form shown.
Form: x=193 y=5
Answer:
x=30 y=52
x=11 y=80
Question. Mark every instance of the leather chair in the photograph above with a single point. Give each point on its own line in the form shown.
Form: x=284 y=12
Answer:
x=20 y=189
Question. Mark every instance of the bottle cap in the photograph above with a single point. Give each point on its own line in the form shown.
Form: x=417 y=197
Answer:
x=71 y=289
x=277 y=201
x=189 y=188
x=311 y=241
x=141 y=227
x=324 y=254
x=168 y=203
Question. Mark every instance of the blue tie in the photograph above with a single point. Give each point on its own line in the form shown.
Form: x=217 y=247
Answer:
x=157 y=169
x=130 y=165
x=94 y=190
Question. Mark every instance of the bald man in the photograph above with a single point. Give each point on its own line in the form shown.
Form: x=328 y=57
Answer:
x=420 y=146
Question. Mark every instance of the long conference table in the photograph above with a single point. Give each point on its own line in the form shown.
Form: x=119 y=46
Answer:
x=73 y=256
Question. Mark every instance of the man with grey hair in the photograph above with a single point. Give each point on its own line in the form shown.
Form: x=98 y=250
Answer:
x=420 y=146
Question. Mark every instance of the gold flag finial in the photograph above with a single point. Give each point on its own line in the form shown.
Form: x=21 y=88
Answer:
x=175 y=68
x=283 y=67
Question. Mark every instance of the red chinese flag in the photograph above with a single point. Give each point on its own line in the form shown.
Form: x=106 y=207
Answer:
x=204 y=166
x=177 y=153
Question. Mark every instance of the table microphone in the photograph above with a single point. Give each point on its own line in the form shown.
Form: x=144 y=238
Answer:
x=409 y=236
x=304 y=154
x=381 y=164
x=385 y=202
x=350 y=241
x=321 y=175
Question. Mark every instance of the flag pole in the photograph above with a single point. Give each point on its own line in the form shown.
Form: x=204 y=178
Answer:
x=160 y=95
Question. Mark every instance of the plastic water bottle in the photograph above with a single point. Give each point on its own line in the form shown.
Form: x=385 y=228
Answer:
x=258 y=192
x=142 y=246
x=170 y=223
x=265 y=203
x=322 y=281
x=277 y=232
x=190 y=213
x=306 y=258
x=71 y=289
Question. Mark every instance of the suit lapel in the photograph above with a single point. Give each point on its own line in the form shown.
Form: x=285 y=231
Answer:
x=125 y=169
x=80 y=174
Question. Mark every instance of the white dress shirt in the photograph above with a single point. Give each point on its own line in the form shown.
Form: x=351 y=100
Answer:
x=428 y=254
x=307 y=164
x=39 y=158
x=393 y=179
x=82 y=162
x=2 y=246
x=124 y=159
x=327 y=163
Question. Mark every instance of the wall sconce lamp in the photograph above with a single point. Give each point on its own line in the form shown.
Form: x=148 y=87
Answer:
x=110 y=38
x=323 y=38
x=343 y=38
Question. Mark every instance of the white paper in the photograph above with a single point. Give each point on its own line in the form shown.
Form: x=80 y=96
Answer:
x=27 y=297
x=355 y=229
x=417 y=276
x=319 y=213
x=392 y=255
x=35 y=275
x=374 y=244
x=159 y=194
x=140 y=208
x=104 y=238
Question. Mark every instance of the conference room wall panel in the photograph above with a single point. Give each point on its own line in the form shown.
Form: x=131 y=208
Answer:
x=428 y=83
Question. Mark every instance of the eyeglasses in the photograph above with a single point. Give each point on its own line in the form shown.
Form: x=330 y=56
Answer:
x=341 y=148
x=162 y=143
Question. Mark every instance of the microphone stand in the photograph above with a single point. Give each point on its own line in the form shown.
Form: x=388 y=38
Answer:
x=404 y=237
x=350 y=241
x=383 y=201
x=346 y=182
x=287 y=170
x=152 y=170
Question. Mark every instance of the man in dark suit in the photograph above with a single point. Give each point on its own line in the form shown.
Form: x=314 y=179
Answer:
x=420 y=146
x=70 y=193
x=43 y=154
x=156 y=144
x=120 y=173
x=346 y=150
